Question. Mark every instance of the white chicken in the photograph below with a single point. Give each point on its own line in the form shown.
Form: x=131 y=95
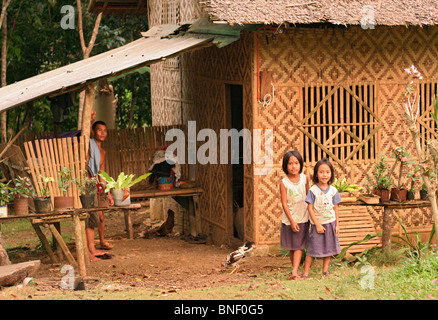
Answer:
x=234 y=257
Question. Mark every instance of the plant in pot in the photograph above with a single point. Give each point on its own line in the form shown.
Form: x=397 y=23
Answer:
x=368 y=196
x=65 y=181
x=423 y=192
x=414 y=176
x=22 y=191
x=88 y=190
x=6 y=195
x=345 y=189
x=381 y=181
x=400 y=155
x=120 y=188
x=43 y=203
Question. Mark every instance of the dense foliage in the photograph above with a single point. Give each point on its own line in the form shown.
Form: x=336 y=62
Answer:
x=38 y=43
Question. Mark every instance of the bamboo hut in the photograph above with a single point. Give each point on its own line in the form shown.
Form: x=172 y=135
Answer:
x=326 y=76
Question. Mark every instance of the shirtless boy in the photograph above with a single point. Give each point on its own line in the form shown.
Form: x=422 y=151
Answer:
x=97 y=220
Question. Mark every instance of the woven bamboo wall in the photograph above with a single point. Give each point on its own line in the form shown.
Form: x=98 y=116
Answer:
x=170 y=85
x=303 y=57
x=212 y=69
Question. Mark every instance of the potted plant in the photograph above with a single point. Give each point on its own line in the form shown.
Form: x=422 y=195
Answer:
x=120 y=188
x=88 y=190
x=5 y=196
x=346 y=189
x=414 y=176
x=400 y=155
x=381 y=180
x=65 y=201
x=22 y=191
x=423 y=192
x=43 y=203
x=369 y=197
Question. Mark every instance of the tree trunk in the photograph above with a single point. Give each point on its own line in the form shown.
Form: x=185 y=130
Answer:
x=86 y=51
x=4 y=259
x=431 y=191
x=4 y=127
x=86 y=117
x=133 y=98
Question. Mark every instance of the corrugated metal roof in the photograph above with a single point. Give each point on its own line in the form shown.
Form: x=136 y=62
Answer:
x=136 y=54
x=118 y=7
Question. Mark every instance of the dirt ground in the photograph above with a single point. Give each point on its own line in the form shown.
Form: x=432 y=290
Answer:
x=164 y=263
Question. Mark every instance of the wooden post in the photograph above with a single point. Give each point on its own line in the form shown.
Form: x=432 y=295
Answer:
x=128 y=223
x=79 y=245
x=4 y=258
x=45 y=243
x=196 y=207
x=387 y=227
x=85 y=247
x=62 y=244
x=86 y=115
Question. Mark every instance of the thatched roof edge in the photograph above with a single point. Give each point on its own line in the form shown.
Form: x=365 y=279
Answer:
x=345 y=12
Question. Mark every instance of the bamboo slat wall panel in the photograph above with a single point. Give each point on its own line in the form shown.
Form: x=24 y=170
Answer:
x=131 y=150
x=340 y=122
x=48 y=156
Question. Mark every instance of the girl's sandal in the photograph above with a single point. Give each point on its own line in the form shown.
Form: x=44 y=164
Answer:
x=306 y=277
x=328 y=273
x=292 y=278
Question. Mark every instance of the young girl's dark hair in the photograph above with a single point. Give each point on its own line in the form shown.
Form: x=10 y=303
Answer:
x=318 y=164
x=287 y=156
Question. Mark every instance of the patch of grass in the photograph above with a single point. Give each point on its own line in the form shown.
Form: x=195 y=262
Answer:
x=416 y=279
x=28 y=237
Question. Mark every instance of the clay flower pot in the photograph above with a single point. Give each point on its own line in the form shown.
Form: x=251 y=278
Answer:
x=21 y=206
x=64 y=203
x=398 y=194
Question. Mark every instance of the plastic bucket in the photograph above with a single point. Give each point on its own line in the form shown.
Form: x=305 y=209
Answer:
x=165 y=183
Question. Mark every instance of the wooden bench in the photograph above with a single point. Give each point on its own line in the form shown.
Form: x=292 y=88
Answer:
x=188 y=198
x=51 y=221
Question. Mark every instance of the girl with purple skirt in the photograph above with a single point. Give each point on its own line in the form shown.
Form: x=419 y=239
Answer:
x=323 y=200
x=295 y=221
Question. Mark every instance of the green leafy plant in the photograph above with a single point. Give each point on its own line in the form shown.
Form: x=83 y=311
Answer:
x=400 y=154
x=414 y=176
x=65 y=180
x=87 y=185
x=344 y=186
x=123 y=181
x=380 y=180
x=6 y=193
x=416 y=246
x=44 y=189
x=23 y=187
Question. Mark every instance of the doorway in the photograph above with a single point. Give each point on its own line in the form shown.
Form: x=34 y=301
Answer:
x=234 y=100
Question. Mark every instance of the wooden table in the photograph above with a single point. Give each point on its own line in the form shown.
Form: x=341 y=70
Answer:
x=50 y=220
x=388 y=217
x=187 y=198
